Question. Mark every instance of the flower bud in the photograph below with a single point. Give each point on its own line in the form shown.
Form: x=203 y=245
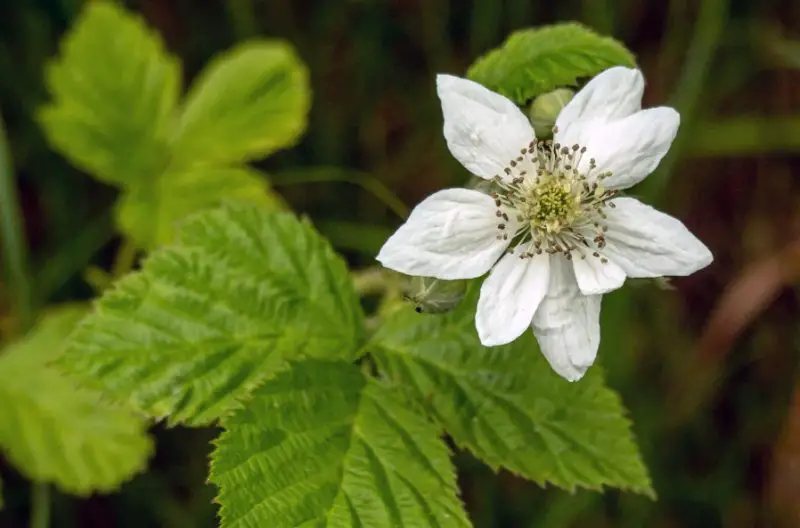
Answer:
x=431 y=295
x=545 y=109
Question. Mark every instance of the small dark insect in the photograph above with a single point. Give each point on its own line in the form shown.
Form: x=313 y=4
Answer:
x=434 y=296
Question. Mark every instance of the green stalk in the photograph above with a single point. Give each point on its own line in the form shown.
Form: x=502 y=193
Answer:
x=745 y=136
x=15 y=255
x=242 y=18
x=72 y=256
x=40 y=514
x=333 y=174
x=15 y=260
x=705 y=39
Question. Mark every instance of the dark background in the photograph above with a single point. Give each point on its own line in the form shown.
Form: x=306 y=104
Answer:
x=708 y=370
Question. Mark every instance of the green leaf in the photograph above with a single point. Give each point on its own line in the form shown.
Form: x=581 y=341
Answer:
x=507 y=406
x=150 y=214
x=114 y=91
x=54 y=431
x=247 y=103
x=321 y=445
x=538 y=60
x=210 y=318
x=113 y=113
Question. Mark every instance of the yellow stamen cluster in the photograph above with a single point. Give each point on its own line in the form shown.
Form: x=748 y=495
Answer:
x=545 y=204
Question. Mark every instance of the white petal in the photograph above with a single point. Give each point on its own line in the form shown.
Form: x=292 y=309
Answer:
x=509 y=298
x=649 y=243
x=567 y=323
x=595 y=276
x=611 y=95
x=452 y=234
x=631 y=148
x=484 y=130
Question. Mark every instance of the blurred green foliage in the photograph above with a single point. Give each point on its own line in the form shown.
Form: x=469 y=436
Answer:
x=125 y=125
x=55 y=432
x=714 y=423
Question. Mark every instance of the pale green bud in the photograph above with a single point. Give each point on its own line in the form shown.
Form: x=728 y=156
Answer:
x=545 y=109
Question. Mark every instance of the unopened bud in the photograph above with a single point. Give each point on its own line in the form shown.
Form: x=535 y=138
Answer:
x=545 y=109
x=431 y=295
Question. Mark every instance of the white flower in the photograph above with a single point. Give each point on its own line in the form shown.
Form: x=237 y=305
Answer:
x=556 y=235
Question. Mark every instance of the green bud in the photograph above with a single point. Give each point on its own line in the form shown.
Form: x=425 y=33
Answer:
x=545 y=109
x=431 y=295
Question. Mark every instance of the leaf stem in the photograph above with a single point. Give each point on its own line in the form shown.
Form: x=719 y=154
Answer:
x=73 y=256
x=40 y=515
x=332 y=174
x=242 y=18
x=125 y=259
x=369 y=281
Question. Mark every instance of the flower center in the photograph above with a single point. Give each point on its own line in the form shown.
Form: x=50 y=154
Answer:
x=555 y=207
x=551 y=205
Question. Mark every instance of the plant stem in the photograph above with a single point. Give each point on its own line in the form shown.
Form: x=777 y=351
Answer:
x=40 y=516
x=125 y=259
x=333 y=174
x=15 y=258
x=242 y=18
x=369 y=281
x=73 y=256
x=15 y=255
x=705 y=40
x=745 y=136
